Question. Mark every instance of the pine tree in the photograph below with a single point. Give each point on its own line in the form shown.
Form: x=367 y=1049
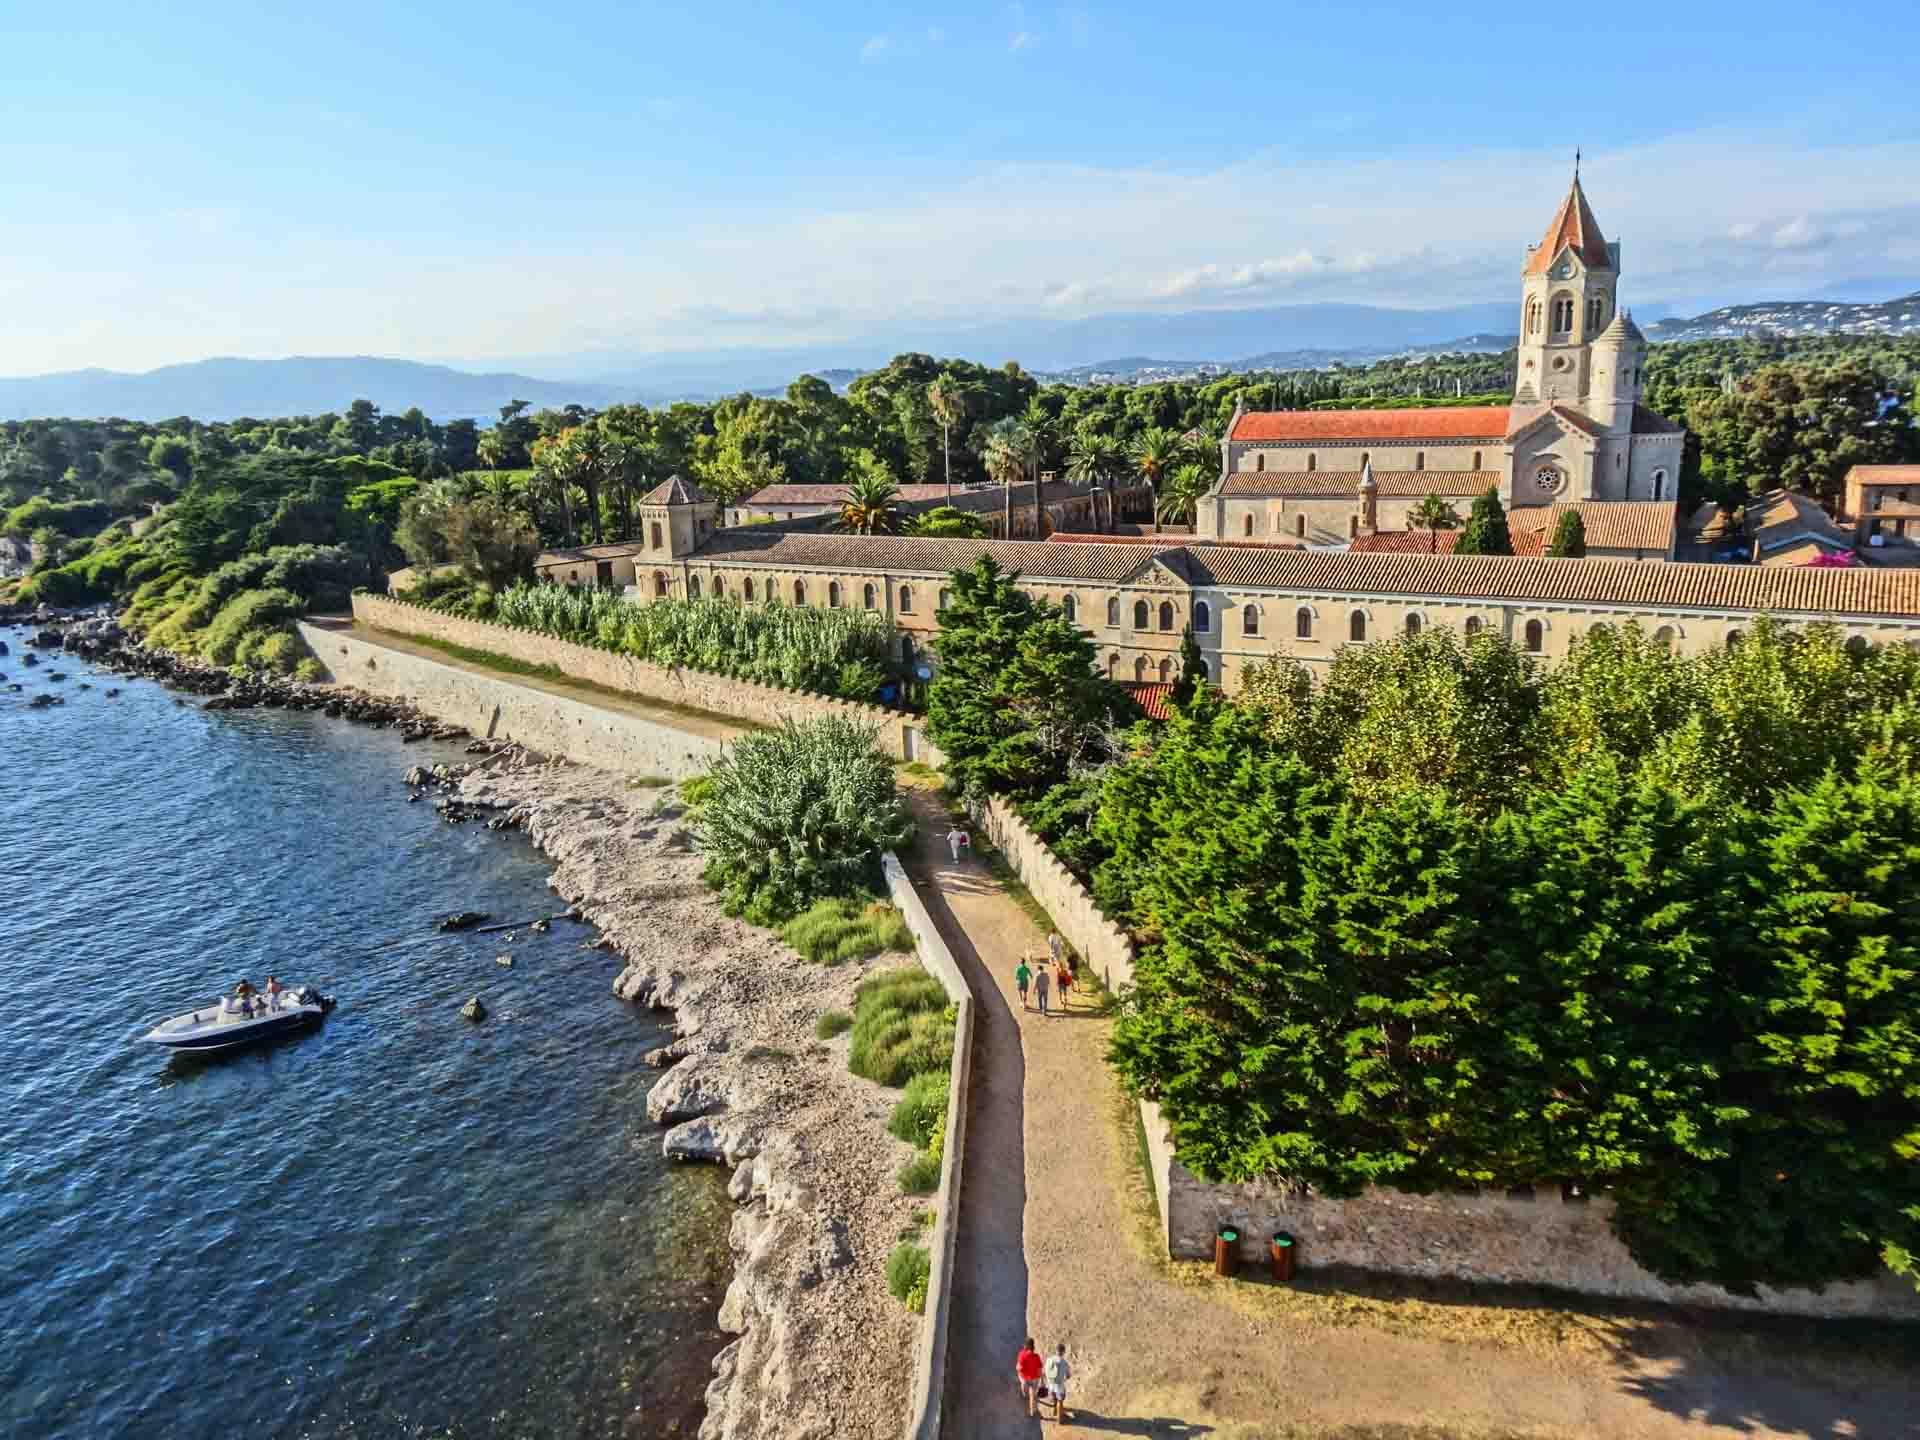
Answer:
x=1486 y=532
x=1569 y=537
x=1193 y=669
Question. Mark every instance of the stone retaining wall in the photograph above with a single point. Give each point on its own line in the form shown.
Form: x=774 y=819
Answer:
x=901 y=735
x=1542 y=1239
x=500 y=709
x=930 y=1358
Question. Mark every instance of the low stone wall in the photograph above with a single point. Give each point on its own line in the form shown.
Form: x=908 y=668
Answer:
x=1494 y=1238
x=500 y=709
x=1100 y=942
x=901 y=735
x=930 y=1359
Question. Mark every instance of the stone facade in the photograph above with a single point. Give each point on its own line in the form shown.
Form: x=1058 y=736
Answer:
x=899 y=734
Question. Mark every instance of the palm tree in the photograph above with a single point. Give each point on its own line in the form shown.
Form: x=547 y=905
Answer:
x=949 y=404
x=871 y=505
x=1003 y=452
x=1179 y=501
x=1434 y=515
x=1156 y=451
x=1096 y=460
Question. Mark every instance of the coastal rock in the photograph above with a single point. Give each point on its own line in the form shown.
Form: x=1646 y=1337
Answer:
x=635 y=984
x=687 y=1093
x=463 y=919
x=415 y=777
x=740 y=1187
x=41 y=702
x=665 y=1056
x=473 y=1010
x=30 y=659
x=696 y=1140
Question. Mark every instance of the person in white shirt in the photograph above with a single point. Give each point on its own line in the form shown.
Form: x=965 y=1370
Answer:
x=1058 y=1374
x=955 y=838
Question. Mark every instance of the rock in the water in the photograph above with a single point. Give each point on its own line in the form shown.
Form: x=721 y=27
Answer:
x=687 y=1094
x=665 y=1056
x=30 y=659
x=695 y=1140
x=41 y=702
x=506 y=960
x=415 y=776
x=635 y=984
x=463 y=919
x=474 y=1010
x=112 y=690
x=540 y=927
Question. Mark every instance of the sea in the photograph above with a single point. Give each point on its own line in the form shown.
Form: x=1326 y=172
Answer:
x=401 y=1223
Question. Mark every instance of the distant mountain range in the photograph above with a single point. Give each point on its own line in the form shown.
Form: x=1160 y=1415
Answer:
x=1900 y=316
x=226 y=389
x=1313 y=336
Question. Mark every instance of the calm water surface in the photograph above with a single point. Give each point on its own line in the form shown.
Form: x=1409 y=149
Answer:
x=400 y=1224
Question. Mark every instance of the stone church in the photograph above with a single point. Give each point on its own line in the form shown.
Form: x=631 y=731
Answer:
x=1576 y=431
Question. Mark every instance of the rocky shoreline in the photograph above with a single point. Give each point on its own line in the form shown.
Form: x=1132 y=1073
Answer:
x=822 y=1349
x=97 y=637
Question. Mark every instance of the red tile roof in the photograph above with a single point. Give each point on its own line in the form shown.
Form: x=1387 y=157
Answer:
x=1418 y=542
x=1610 y=524
x=1573 y=227
x=1309 y=483
x=1885 y=474
x=1150 y=696
x=1439 y=422
x=674 y=491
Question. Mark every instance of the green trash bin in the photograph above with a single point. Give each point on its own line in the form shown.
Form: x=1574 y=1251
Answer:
x=1226 y=1251
x=1282 y=1250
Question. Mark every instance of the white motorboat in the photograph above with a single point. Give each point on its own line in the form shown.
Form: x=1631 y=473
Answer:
x=230 y=1025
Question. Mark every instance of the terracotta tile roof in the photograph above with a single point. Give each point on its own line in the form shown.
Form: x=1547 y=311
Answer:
x=1309 y=483
x=1151 y=696
x=1710 y=523
x=674 y=491
x=1415 y=542
x=1744 y=589
x=1808 y=552
x=1611 y=524
x=576 y=554
x=1439 y=422
x=1651 y=422
x=1884 y=474
x=1578 y=421
x=1573 y=227
x=1785 y=517
x=1160 y=542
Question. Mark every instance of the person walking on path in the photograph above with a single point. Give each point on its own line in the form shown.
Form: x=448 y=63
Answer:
x=1042 y=983
x=955 y=838
x=1028 y=1370
x=1054 y=947
x=1022 y=977
x=1063 y=977
x=1058 y=1374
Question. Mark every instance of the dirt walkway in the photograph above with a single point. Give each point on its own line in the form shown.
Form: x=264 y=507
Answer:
x=1047 y=1247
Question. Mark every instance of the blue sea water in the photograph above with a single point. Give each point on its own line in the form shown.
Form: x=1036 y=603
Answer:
x=399 y=1224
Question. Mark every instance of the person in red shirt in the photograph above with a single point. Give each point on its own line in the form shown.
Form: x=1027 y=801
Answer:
x=1028 y=1368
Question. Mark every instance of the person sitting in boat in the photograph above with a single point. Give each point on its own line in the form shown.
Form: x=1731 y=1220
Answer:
x=243 y=993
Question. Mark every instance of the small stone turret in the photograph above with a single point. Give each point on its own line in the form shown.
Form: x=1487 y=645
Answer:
x=1619 y=361
x=1369 y=499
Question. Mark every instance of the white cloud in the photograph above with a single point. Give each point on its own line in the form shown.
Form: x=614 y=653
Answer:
x=875 y=48
x=1800 y=233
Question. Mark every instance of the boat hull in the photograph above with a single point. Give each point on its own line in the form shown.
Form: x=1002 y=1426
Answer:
x=236 y=1037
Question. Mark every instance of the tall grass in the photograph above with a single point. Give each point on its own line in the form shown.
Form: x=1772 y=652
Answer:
x=831 y=931
x=849 y=653
x=901 y=1027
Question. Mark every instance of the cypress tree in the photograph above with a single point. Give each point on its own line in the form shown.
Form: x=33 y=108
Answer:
x=1486 y=532
x=1569 y=537
x=1193 y=669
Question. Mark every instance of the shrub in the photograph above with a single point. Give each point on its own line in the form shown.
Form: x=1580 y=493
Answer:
x=797 y=815
x=900 y=1027
x=922 y=1109
x=309 y=670
x=65 y=517
x=920 y=1175
x=249 y=610
x=830 y=931
x=909 y=1269
x=834 y=1022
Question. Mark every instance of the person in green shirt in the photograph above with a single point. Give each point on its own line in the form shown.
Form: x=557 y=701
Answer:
x=1022 y=977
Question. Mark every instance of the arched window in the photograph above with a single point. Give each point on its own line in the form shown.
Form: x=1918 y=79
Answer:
x=1353 y=527
x=746 y=587
x=1533 y=322
x=1250 y=620
x=1313 y=462
x=1474 y=626
x=1260 y=461
x=867 y=596
x=1357 y=626
x=659 y=585
x=1113 y=610
x=1067 y=608
x=1419 y=459
x=1113 y=664
x=1139 y=614
x=1140 y=670
x=1562 y=314
x=1166 y=615
x=906 y=649
x=906 y=599
x=1663 y=638
x=1303 y=624
x=833 y=594
x=1414 y=622
x=656 y=534
x=1300 y=526
x=1856 y=644
x=1246 y=525
x=940 y=601
x=1733 y=639
x=799 y=592
x=1476 y=459
x=1202 y=617
x=693 y=587
x=1659 y=484
x=1536 y=637
x=1166 y=671
x=1596 y=312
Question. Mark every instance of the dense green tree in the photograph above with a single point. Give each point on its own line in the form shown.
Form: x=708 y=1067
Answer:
x=1486 y=532
x=1433 y=515
x=1569 y=537
x=1193 y=669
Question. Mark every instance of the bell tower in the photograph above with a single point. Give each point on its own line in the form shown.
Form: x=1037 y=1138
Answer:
x=1567 y=289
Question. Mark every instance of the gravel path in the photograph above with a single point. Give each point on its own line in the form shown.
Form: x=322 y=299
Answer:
x=1047 y=1248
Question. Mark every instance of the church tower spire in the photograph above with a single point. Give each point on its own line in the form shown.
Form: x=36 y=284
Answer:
x=1567 y=288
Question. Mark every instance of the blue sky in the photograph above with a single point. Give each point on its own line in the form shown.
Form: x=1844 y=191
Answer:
x=489 y=180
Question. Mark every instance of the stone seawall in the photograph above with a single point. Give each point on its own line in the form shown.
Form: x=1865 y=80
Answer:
x=901 y=735
x=497 y=708
x=1531 y=1238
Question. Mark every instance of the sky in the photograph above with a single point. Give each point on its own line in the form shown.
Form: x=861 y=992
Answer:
x=510 y=183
